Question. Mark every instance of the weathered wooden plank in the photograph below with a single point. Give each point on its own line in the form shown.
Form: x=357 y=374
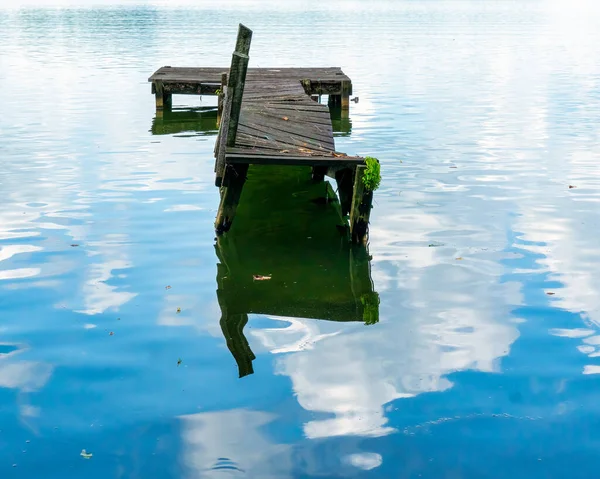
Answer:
x=231 y=191
x=244 y=38
x=279 y=137
x=222 y=141
x=246 y=140
x=292 y=160
x=360 y=213
x=321 y=122
x=317 y=76
x=237 y=78
x=280 y=127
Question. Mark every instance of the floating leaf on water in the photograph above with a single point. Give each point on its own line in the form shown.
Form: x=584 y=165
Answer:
x=167 y=287
x=459 y=258
x=74 y=245
x=258 y=277
x=550 y=293
x=178 y=310
x=111 y=334
x=179 y=361
x=85 y=454
x=572 y=186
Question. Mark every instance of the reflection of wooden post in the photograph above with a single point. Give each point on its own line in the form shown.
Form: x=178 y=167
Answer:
x=362 y=200
x=233 y=329
x=361 y=282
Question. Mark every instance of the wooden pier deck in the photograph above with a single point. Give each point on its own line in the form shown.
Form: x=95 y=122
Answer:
x=270 y=116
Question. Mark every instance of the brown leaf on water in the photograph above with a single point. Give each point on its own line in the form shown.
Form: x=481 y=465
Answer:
x=550 y=293
x=167 y=287
x=459 y=258
x=258 y=277
x=572 y=186
x=285 y=118
x=178 y=310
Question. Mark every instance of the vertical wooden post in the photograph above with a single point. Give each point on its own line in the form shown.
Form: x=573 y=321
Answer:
x=159 y=95
x=345 y=180
x=233 y=182
x=221 y=144
x=235 y=87
x=361 y=207
x=346 y=92
x=232 y=102
x=221 y=98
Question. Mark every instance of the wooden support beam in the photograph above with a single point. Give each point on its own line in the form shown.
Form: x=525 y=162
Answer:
x=221 y=100
x=345 y=96
x=221 y=143
x=232 y=101
x=258 y=158
x=244 y=38
x=231 y=191
x=345 y=181
x=163 y=99
x=362 y=200
x=235 y=87
x=237 y=79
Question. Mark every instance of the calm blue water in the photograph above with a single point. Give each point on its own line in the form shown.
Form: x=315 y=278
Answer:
x=485 y=362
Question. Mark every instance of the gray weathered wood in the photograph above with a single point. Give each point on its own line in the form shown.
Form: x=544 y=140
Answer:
x=260 y=158
x=231 y=191
x=221 y=98
x=360 y=213
x=244 y=38
x=221 y=143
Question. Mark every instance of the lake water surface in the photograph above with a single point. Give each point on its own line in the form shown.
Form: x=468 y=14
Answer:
x=485 y=362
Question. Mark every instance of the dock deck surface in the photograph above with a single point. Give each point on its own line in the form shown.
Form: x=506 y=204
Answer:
x=279 y=121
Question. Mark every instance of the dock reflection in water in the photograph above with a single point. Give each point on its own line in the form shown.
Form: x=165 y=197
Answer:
x=201 y=121
x=290 y=229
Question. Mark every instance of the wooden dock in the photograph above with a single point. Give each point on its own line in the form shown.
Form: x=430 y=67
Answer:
x=269 y=116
